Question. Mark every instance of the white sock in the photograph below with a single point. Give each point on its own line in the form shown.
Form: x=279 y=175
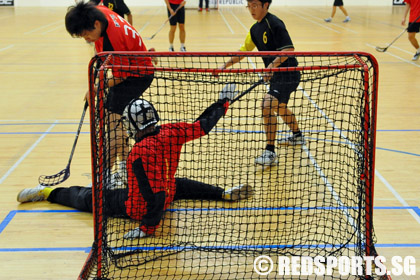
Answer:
x=418 y=50
x=182 y=45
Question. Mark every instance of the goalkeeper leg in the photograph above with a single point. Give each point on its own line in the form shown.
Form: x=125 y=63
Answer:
x=190 y=189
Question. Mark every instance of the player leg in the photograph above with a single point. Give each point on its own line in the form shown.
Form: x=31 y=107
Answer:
x=181 y=26
x=119 y=96
x=191 y=189
x=172 y=24
x=77 y=197
x=334 y=9
x=269 y=157
x=413 y=29
x=347 y=19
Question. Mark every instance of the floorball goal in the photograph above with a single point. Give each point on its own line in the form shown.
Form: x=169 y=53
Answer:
x=316 y=201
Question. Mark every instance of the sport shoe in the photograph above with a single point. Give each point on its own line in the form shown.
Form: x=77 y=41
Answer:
x=347 y=19
x=200 y=9
x=207 y=10
x=267 y=158
x=31 y=194
x=416 y=56
x=135 y=233
x=328 y=19
x=183 y=49
x=292 y=140
x=238 y=192
x=171 y=49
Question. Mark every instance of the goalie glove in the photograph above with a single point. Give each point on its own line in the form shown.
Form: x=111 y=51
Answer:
x=228 y=92
x=135 y=233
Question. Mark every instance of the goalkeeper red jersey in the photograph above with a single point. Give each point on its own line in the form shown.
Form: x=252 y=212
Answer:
x=153 y=161
x=121 y=36
x=159 y=155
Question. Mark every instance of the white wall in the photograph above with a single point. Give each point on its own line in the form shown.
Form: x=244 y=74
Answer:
x=134 y=3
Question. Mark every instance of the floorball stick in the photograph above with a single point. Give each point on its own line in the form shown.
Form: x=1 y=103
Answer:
x=166 y=21
x=379 y=49
x=53 y=180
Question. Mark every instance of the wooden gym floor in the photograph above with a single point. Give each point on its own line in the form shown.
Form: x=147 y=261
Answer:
x=44 y=78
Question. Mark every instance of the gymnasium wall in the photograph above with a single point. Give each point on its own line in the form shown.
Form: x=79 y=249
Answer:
x=134 y=3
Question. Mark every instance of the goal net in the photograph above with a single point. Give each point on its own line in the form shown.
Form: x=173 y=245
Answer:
x=316 y=201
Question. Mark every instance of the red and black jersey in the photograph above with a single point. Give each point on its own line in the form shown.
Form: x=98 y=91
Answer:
x=119 y=35
x=152 y=164
x=414 y=9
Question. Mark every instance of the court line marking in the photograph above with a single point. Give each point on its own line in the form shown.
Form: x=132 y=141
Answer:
x=329 y=23
x=224 y=19
x=6 y=48
x=397 y=195
x=11 y=169
x=44 y=26
x=314 y=22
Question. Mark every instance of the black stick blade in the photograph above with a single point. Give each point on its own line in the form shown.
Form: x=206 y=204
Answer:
x=55 y=179
x=379 y=49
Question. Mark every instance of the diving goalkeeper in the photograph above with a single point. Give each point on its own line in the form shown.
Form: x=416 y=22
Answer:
x=151 y=168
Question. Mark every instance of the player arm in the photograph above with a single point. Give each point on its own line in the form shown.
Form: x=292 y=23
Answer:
x=406 y=11
x=209 y=118
x=246 y=47
x=169 y=7
x=280 y=59
x=155 y=202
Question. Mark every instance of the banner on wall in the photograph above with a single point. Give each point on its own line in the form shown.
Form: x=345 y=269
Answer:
x=233 y=2
x=6 y=2
x=398 y=2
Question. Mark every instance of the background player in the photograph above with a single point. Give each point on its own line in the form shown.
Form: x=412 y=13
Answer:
x=178 y=17
x=269 y=34
x=413 y=6
x=151 y=167
x=105 y=28
x=117 y=6
x=340 y=5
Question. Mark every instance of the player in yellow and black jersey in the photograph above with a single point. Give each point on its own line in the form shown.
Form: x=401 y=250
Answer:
x=269 y=33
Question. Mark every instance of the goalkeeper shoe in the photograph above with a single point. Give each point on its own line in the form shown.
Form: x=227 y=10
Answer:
x=292 y=140
x=31 y=194
x=416 y=56
x=135 y=233
x=328 y=19
x=238 y=192
x=267 y=158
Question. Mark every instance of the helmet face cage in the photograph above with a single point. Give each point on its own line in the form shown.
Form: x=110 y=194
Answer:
x=138 y=115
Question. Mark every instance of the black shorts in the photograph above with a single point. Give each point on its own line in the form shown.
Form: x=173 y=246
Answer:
x=413 y=27
x=338 y=3
x=179 y=17
x=283 y=84
x=120 y=95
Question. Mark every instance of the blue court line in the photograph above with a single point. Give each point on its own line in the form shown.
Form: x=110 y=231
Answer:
x=178 y=248
x=13 y=213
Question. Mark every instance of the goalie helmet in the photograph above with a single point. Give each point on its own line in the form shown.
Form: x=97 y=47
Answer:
x=138 y=115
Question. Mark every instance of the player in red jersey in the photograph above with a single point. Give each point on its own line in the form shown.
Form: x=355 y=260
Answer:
x=111 y=32
x=413 y=7
x=151 y=166
x=176 y=9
